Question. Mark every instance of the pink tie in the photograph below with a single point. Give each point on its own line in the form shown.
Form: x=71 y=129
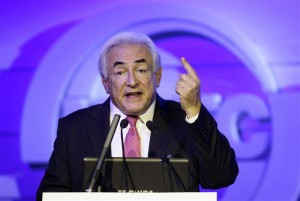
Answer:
x=132 y=140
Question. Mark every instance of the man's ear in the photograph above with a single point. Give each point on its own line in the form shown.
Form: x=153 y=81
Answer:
x=105 y=84
x=158 y=75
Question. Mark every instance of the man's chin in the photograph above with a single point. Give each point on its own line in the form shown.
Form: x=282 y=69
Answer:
x=135 y=111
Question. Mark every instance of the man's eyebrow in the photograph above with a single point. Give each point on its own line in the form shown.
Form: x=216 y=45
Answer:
x=141 y=61
x=118 y=63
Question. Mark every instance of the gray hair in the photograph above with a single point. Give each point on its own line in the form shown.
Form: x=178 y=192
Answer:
x=127 y=38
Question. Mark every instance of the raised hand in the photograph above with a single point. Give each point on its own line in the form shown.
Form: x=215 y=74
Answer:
x=188 y=89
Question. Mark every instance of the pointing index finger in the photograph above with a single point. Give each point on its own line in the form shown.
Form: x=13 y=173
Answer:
x=189 y=69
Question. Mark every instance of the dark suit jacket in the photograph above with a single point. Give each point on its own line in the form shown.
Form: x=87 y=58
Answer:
x=83 y=133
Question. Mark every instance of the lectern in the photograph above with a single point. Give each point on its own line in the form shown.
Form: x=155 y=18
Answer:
x=195 y=196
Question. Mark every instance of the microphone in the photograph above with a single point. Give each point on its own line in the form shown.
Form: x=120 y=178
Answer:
x=124 y=124
x=107 y=143
x=151 y=126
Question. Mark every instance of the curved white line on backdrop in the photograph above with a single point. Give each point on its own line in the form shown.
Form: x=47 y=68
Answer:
x=68 y=53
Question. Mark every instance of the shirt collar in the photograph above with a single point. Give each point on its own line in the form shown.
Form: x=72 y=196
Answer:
x=147 y=116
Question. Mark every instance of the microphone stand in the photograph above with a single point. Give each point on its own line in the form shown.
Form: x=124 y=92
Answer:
x=124 y=124
x=107 y=143
x=167 y=160
x=173 y=174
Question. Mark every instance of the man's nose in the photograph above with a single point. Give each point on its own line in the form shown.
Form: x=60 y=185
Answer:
x=132 y=79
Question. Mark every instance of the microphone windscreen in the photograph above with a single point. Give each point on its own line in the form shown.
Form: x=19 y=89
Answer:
x=124 y=123
x=150 y=125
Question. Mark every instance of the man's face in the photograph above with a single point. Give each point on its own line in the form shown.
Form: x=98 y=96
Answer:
x=131 y=80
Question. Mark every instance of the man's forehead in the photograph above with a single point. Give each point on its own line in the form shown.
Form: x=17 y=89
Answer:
x=138 y=61
x=129 y=53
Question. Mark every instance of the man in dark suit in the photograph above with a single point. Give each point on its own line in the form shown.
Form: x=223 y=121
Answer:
x=130 y=69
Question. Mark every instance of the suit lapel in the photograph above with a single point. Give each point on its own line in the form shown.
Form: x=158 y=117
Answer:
x=98 y=127
x=164 y=120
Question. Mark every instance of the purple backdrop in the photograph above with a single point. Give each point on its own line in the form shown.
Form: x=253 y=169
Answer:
x=246 y=53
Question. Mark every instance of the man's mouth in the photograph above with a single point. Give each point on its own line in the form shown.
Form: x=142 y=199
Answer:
x=133 y=94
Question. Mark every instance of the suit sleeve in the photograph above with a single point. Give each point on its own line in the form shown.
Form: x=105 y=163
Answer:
x=56 y=178
x=217 y=165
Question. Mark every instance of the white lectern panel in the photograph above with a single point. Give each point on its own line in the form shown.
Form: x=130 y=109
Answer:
x=205 y=196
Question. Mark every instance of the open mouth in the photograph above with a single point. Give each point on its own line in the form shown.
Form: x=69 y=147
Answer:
x=131 y=94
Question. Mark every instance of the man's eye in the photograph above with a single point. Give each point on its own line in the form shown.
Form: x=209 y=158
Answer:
x=142 y=70
x=119 y=73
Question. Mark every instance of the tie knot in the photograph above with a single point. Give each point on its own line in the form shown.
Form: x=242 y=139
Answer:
x=132 y=120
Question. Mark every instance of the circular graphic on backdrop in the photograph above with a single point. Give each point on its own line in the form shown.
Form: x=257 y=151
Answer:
x=75 y=82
